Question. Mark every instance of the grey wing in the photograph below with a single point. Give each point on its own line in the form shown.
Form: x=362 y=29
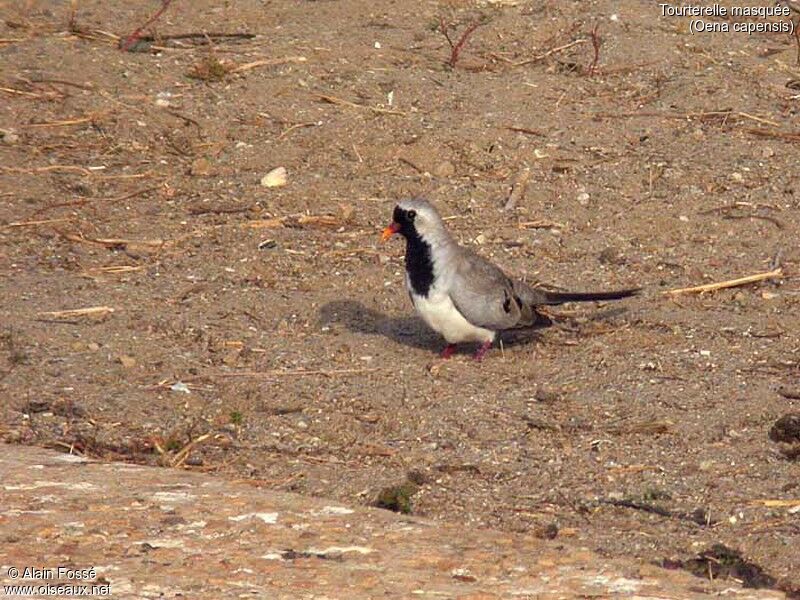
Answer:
x=483 y=294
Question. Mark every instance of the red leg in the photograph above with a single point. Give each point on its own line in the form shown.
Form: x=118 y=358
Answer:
x=482 y=351
x=448 y=351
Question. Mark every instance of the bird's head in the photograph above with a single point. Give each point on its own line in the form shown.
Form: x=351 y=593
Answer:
x=415 y=218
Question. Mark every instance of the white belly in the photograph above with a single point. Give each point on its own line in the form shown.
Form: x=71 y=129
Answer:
x=441 y=315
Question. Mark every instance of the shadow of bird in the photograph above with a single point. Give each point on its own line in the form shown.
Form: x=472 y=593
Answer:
x=410 y=331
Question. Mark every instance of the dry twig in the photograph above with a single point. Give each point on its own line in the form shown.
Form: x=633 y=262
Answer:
x=540 y=224
x=111 y=243
x=550 y=52
x=291 y=128
x=457 y=47
x=17 y=92
x=112 y=270
x=788 y=136
x=526 y=131
x=777 y=503
x=35 y=223
x=63 y=123
x=294 y=221
x=92 y=311
x=343 y=102
x=298 y=373
x=268 y=62
x=63 y=168
x=183 y=453
x=711 y=287
x=130 y=42
x=597 y=41
x=518 y=189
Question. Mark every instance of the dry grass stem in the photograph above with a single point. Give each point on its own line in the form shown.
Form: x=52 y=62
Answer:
x=294 y=221
x=111 y=242
x=298 y=373
x=35 y=223
x=518 y=189
x=550 y=52
x=777 y=503
x=540 y=224
x=375 y=109
x=181 y=456
x=64 y=123
x=268 y=62
x=90 y=311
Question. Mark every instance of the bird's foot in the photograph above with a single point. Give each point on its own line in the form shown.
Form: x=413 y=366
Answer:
x=482 y=351
x=448 y=351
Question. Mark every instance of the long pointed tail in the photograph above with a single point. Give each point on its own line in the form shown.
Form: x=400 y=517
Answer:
x=562 y=297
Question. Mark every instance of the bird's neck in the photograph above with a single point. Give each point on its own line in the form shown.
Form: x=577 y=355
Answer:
x=419 y=264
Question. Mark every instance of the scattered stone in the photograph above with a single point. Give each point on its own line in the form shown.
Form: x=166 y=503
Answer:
x=36 y=406
x=201 y=167
x=786 y=429
x=706 y=465
x=722 y=562
x=209 y=68
x=547 y=396
x=194 y=461
x=786 y=433
x=8 y=136
x=126 y=361
x=267 y=244
x=67 y=408
x=547 y=532
x=611 y=256
x=267 y=517
x=277 y=177
x=397 y=498
x=445 y=169
x=790 y=393
x=417 y=477
x=463 y=575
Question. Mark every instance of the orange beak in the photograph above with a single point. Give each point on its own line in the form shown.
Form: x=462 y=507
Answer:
x=389 y=231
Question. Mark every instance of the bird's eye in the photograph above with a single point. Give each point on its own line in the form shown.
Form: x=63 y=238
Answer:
x=411 y=214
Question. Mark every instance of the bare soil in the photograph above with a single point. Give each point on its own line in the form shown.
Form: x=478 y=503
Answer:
x=264 y=333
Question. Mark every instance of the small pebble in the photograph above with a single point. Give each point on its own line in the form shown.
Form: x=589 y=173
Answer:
x=9 y=137
x=126 y=361
x=445 y=169
x=277 y=177
x=267 y=244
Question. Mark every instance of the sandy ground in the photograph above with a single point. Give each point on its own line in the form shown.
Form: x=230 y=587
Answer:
x=265 y=333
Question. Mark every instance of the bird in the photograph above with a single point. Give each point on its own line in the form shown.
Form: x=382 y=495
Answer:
x=462 y=295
